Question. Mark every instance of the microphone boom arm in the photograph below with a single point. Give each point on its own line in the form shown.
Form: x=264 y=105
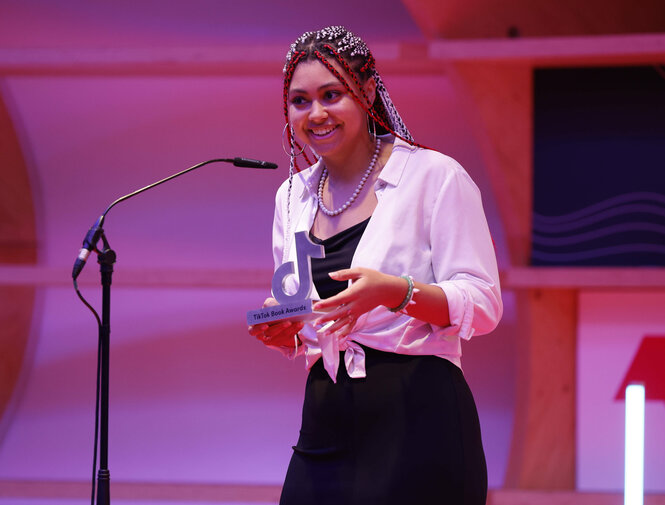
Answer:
x=166 y=179
x=93 y=235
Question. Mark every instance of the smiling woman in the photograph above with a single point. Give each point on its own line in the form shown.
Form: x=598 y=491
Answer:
x=409 y=272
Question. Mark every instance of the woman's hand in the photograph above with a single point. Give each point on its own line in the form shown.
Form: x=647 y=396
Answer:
x=369 y=289
x=276 y=333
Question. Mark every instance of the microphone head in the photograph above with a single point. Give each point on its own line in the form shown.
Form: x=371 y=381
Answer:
x=250 y=163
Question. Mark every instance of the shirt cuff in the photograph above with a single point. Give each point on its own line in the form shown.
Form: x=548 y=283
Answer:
x=460 y=310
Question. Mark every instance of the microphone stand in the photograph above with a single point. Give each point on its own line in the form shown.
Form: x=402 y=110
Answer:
x=106 y=259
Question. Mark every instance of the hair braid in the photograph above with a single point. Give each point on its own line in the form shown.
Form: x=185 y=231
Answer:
x=338 y=44
x=356 y=60
x=293 y=143
x=369 y=110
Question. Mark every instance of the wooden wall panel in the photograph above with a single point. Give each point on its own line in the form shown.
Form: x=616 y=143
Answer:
x=499 y=98
x=542 y=454
x=482 y=19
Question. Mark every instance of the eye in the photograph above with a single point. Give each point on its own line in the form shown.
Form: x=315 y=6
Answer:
x=298 y=101
x=332 y=94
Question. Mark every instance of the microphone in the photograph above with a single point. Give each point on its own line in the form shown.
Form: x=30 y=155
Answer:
x=95 y=233
x=250 y=163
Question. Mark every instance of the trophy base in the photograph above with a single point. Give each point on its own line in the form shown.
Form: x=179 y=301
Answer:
x=296 y=311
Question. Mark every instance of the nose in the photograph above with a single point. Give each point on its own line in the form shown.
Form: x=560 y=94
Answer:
x=317 y=112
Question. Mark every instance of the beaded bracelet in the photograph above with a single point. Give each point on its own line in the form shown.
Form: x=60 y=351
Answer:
x=409 y=294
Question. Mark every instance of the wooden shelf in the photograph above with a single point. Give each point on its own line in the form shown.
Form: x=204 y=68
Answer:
x=558 y=497
x=512 y=278
x=252 y=493
x=394 y=57
x=583 y=278
x=608 y=49
x=220 y=278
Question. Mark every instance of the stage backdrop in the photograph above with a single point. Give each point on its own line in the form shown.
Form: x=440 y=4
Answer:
x=193 y=397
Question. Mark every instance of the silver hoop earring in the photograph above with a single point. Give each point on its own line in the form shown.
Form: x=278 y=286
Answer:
x=288 y=151
x=371 y=128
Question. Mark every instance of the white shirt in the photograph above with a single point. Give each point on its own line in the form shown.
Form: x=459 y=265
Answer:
x=428 y=223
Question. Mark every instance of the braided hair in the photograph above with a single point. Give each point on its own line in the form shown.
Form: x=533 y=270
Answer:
x=337 y=44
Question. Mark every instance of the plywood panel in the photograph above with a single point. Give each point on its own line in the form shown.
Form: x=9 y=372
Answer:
x=543 y=445
x=499 y=99
x=534 y=18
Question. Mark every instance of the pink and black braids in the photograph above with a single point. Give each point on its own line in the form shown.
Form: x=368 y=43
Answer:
x=336 y=43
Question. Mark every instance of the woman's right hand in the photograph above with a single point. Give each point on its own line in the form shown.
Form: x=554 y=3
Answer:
x=276 y=333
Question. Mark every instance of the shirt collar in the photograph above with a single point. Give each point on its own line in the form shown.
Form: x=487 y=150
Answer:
x=310 y=178
x=394 y=168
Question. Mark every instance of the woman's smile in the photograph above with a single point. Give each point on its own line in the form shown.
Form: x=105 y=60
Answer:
x=322 y=131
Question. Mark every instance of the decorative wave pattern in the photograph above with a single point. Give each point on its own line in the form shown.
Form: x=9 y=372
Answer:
x=627 y=229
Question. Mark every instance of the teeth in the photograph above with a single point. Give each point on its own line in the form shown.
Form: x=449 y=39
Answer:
x=323 y=131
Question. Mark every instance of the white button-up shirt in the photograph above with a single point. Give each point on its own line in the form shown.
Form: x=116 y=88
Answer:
x=428 y=223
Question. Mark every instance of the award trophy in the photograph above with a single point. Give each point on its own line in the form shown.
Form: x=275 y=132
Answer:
x=297 y=306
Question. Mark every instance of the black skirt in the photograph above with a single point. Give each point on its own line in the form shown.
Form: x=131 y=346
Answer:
x=407 y=433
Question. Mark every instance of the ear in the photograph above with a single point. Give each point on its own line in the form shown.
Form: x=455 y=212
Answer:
x=370 y=90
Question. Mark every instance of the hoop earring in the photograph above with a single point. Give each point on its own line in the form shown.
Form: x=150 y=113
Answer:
x=371 y=128
x=288 y=150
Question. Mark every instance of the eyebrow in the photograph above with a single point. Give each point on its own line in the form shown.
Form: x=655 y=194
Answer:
x=323 y=86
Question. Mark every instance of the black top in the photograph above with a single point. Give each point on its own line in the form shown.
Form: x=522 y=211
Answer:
x=339 y=252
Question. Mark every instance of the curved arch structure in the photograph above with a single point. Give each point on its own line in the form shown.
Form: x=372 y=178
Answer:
x=17 y=246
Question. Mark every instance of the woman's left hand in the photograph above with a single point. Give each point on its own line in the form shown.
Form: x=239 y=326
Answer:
x=369 y=289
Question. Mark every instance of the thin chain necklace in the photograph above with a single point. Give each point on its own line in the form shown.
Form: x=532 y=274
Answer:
x=352 y=198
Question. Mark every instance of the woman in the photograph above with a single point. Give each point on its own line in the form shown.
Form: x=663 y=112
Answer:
x=409 y=271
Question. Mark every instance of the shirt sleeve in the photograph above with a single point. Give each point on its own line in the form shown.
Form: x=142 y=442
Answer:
x=463 y=257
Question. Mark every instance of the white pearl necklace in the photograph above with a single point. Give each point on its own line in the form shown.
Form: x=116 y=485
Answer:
x=352 y=198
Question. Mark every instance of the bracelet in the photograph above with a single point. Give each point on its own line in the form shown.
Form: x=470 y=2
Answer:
x=409 y=294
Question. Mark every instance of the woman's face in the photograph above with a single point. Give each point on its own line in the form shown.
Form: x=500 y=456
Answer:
x=323 y=113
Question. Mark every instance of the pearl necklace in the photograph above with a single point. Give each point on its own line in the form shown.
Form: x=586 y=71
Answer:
x=352 y=198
